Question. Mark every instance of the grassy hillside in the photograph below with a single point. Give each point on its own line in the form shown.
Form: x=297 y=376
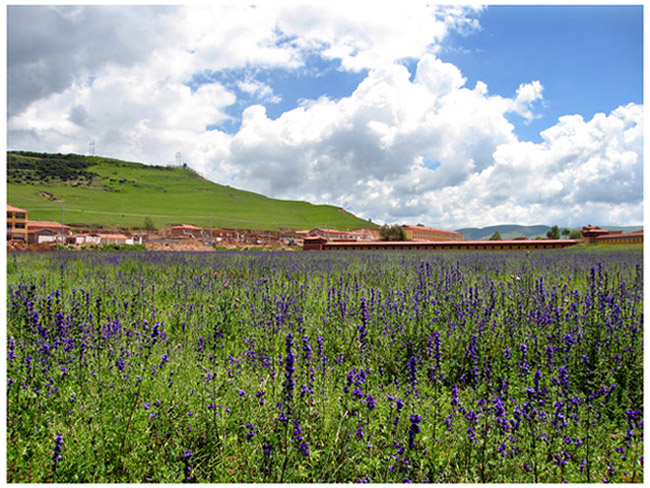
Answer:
x=110 y=193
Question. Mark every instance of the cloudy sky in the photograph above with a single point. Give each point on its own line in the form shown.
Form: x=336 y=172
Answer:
x=399 y=112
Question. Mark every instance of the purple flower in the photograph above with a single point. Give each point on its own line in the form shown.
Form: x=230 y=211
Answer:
x=289 y=382
x=188 y=468
x=56 y=453
x=370 y=402
x=415 y=429
x=251 y=433
x=304 y=449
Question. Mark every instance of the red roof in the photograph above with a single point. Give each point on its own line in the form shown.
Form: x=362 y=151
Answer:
x=186 y=227
x=113 y=236
x=36 y=224
x=11 y=208
x=619 y=236
x=340 y=232
x=460 y=244
x=419 y=227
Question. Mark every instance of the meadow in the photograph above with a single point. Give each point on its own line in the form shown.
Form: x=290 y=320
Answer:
x=512 y=367
x=108 y=193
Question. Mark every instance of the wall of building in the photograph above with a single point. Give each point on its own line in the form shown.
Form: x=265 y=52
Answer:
x=621 y=239
x=441 y=245
x=415 y=233
x=17 y=225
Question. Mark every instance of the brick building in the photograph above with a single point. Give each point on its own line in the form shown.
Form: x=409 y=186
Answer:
x=420 y=233
x=16 y=223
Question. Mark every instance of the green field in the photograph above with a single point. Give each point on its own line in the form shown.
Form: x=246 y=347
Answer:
x=123 y=194
x=382 y=367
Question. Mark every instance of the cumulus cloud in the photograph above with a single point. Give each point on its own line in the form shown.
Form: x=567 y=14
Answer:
x=527 y=95
x=49 y=48
x=367 y=152
x=400 y=148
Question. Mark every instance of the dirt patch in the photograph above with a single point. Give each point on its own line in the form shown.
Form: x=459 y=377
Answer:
x=18 y=246
x=49 y=196
x=185 y=245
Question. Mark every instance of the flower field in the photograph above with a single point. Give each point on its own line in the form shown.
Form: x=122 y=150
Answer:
x=444 y=367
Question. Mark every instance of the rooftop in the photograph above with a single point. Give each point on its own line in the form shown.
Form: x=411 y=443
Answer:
x=11 y=208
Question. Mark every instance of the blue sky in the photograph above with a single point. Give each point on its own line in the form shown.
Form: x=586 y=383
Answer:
x=396 y=112
x=588 y=58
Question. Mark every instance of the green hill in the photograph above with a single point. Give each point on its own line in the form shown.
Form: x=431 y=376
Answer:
x=108 y=193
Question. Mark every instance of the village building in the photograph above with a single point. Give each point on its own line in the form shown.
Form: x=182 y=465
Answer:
x=595 y=235
x=321 y=244
x=187 y=230
x=420 y=233
x=47 y=231
x=39 y=236
x=112 y=238
x=17 y=225
x=334 y=234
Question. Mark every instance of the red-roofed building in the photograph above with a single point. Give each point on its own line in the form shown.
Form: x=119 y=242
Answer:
x=420 y=233
x=46 y=231
x=112 y=238
x=333 y=234
x=16 y=223
x=186 y=230
x=38 y=236
x=620 y=238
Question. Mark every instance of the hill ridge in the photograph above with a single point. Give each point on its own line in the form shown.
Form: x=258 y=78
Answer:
x=111 y=193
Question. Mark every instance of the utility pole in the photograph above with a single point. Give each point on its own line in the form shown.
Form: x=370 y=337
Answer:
x=62 y=205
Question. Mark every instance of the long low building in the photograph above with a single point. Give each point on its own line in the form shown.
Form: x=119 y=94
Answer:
x=319 y=244
x=421 y=233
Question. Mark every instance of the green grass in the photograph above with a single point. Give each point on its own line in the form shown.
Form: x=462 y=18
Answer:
x=516 y=367
x=123 y=194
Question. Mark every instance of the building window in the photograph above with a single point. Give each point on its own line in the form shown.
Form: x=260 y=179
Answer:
x=19 y=225
x=19 y=215
x=10 y=215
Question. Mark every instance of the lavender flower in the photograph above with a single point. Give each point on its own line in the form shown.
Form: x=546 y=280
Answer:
x=415 y=429
x=188 y=468
x=56 y=453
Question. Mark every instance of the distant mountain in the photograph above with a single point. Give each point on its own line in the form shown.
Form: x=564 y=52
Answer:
x=510 y=231
x=624 y=228
x=507 y=231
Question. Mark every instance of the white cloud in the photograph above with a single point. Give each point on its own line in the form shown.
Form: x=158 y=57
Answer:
x=425 y=148
x=527 y=94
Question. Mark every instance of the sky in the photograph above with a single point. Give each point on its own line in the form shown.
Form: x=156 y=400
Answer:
x=408 y=113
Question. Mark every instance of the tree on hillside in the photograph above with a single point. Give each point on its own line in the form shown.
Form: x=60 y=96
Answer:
x=554 y=233
x=566 y=232
x=393 y=232
x=496 y=236
x=575 y=234
x=149 y=226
